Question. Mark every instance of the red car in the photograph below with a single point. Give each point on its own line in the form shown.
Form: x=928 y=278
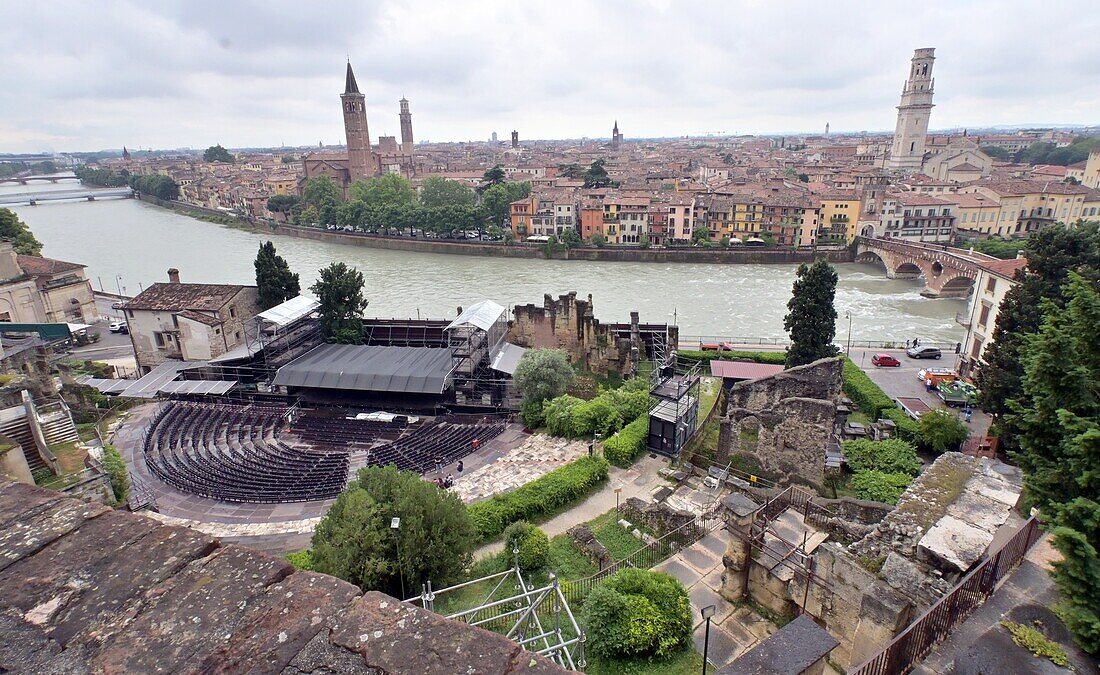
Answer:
x=882 y=360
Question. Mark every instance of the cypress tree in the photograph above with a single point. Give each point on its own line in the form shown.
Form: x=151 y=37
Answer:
x=811 y=319
x=274 y=280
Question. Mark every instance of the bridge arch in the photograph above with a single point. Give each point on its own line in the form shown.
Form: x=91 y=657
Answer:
x=908 y=269
x=957 y=286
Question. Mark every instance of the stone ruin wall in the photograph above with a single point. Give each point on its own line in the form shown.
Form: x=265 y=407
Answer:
x=784 y=421
x=568 y=323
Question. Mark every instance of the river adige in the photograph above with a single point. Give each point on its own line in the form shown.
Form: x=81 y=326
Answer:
x=128 y=244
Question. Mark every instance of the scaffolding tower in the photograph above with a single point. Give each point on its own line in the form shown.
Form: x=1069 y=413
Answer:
x=674 y=392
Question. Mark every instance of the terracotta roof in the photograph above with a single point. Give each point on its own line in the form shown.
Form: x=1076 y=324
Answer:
x=200 y=317
x=37 y=265
x=743 y=370
x=176 y=297
x=1004 y=268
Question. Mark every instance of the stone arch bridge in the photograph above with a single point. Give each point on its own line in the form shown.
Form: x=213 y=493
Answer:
x=947 y=271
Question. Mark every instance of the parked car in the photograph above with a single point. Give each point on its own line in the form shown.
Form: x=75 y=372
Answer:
x=119 y=327
x=937 y=375
x=884 y=361
x=924 y=352
x=117 y=305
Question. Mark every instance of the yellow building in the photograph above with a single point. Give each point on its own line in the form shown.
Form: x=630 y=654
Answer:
x=1030 y=205
x=977 y=213
x=839 y=217
x=282 y=185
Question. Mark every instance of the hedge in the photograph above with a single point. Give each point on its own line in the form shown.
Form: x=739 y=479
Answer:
x=559 y=488
x=864 y=393
x=907 y=428
x=629 y=444
x=779 y=358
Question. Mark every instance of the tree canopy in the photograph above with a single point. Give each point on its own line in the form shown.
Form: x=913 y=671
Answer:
x=321 y=191
x=498 y=199
x=354 y=541
x=389 y=189
x=493 y=176
x=1049 y=153
x=161 y=187
x=596 y=176
x=339 y=289
x=438 y=192
x=543 y=374
x=274 y=280
x=811 y=317
x=216 y=153
x=22 y=239
x=282 y=203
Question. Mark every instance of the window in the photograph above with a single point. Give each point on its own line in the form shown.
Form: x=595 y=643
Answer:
x=991 y=285
x=983 y=317
x=977 y=349
x=237 y=335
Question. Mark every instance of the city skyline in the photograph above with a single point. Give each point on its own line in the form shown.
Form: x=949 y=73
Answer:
x=100 y=77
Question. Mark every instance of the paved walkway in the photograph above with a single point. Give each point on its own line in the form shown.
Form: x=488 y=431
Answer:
x=638 y=481
x=980 y=645
x=733 y=630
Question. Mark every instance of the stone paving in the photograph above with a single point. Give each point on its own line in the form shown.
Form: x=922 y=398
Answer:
x=733 y=629
x=538 y=456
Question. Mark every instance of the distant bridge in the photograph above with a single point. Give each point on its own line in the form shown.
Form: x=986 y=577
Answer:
x=947 y=271
x=23 y=180
x=35 y=198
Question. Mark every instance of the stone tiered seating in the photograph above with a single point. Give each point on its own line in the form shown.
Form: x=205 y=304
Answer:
x=233 y=453
x=443 y=443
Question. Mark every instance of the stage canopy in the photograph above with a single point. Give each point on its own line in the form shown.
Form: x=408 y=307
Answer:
x=413 y=370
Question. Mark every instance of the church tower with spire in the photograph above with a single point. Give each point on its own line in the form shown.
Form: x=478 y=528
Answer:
x=616 y=137
x=360 y=159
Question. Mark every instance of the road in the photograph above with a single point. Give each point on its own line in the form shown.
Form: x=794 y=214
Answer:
x=111 y=346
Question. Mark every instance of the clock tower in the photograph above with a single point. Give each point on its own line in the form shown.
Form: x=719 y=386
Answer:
x=360 y=159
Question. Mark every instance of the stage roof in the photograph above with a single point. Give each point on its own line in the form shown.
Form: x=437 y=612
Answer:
x=414 y=370
x=290 y=311
x=482 y=314
x=507 y=358
x=743 y=370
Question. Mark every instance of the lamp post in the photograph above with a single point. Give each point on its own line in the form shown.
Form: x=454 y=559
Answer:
x=395 y=525
x=617 y=491
x=707 y=612
x=849 y=351
x=118 y=283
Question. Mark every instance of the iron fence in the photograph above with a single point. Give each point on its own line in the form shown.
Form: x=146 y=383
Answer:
x=915 y=642
x=735 y=343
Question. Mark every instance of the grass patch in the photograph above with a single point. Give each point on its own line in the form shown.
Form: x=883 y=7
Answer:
x=1031 y=639
x=687 y=662
x=618 y=540
x=940 y=485
x=567 y=561
x=709 y=389
x=860 y=417
x=69 y=457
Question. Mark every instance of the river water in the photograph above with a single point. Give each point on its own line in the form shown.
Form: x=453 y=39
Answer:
x=128 y=245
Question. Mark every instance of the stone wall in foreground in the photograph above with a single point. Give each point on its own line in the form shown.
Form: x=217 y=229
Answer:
x=84 y=588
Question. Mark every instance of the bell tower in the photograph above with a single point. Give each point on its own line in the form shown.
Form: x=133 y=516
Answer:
x=360 y=158
x=907 y=151
x=406 y=127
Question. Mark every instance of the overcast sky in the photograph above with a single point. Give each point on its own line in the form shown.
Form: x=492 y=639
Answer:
x=94 y=75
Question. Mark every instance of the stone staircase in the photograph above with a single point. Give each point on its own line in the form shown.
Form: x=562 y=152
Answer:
x=18 y=430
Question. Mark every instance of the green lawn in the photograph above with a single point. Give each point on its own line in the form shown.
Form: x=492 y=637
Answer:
x=618 y=540
x=709 y=388
x=687 y=662
x=567 y=561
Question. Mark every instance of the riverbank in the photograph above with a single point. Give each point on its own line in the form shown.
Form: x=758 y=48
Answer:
x=744 y=256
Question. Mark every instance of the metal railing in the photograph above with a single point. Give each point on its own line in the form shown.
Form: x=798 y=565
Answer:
x=915 y=642
x=692 y=342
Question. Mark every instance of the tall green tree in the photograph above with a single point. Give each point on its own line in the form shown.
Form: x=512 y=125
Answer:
x=22 y=239
x=339 y=289
x=320 y=191
x=542 y=374
x=596 y=176
x=1051 y=254
x=161 y=187
x=390 y=189
x=493 y=176
x=497 y=200
x=437 y=191
x=274 y=280
x=216 y=153
x=282 y=203
x=811 y=316
x=1058 y=420
x=354 y=541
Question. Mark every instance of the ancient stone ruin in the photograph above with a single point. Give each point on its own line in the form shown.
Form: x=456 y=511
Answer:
x=784 y=422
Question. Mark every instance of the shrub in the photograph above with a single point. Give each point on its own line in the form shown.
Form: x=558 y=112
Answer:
x=116 y=469
x=302 y=560
x=864 y=393
x=690 y=357
x=878 y=486
x=560 y=487
x=939 y=430
x=638 y=613
x=558 y=415
x=906 y=427
x=1035 y=642
x=596 y=416
x=629 y=444
x=532 y=414
x=533 y=545
x=889 y=456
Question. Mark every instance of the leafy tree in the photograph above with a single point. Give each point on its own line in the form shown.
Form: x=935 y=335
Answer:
x=282 y=203
x=161 y=187
x=498 y=199
x=939 y=431
x=996 y=152
x=493 y=176
x=637 y=613
x=573 y=171
x=999 y=248
x=14 y=229
x=531 y=543
x=437 y=191
x=571 y=238
x=320 y=191
x=596 y=176
x=216 y=153
x=274 y=280
x=804 y=177
x=288 y=159
x=389 y=189
x=354 y=540
x=598 y=239
x=309 y=215
x=811 y=319
x=768 y=237
x=1077 y=575
x=1051 y=254
x=543 y=374
x=340 y=292
x=700 y=235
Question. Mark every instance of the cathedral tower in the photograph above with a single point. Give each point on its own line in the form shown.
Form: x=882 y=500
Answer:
x=907 y=152
x=360 y=159
x=406 y=127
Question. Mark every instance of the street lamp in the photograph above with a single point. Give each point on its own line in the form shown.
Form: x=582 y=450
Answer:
x=707 y=613
x=118 y=283
x=395 y=525
x=849 y=315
